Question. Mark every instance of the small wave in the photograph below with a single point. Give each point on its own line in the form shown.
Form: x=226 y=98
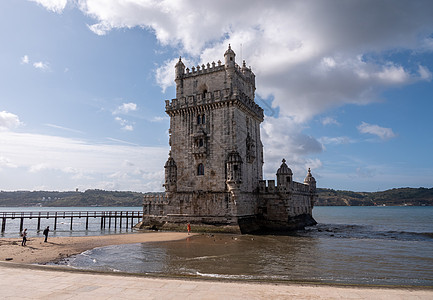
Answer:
x=224 y=276
x=87 y=253
x=203 y=257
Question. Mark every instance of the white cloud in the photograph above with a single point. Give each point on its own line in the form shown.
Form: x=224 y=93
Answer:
x=25 y=59
x=125 y=108
x=121 y=141
x=63 y=128
x=424 y=73
x=56 y=6
x=382 y=132
x=335 y=140
x=38 y=167
x=164 y=74
x=5 y=162
x=52 y=159
x=283 y=138
x=8 y=121
x=44 y=66
x=393 y=74
x=128 y=127
x=329 y=121
x=158 y=119
x=124 y=123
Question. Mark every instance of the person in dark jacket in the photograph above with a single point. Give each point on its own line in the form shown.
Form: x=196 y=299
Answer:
x=46 y=233
x=24 y=235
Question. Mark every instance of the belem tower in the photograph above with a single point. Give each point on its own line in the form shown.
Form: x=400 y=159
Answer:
x=213 y=175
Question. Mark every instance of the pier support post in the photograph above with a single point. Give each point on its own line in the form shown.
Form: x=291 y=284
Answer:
x=126 y=220
x=87 y=221
x=3 y=224
x=55 y=221
x=102 y=220
x=109 y=220
x=71 y=222
x=120 y=221
x=115 y=219
x=21 y=224
x=39 y=222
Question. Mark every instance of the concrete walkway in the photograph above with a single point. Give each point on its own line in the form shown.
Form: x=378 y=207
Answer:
x=29 y=282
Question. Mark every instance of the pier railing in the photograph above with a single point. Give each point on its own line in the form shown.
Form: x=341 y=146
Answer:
x=114 y=218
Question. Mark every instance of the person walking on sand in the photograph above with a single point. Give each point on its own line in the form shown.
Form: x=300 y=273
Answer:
x=46 y=233
x=24 y=235
x=188 y=226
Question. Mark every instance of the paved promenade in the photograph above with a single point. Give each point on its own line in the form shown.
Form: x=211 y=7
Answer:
x=28 y=282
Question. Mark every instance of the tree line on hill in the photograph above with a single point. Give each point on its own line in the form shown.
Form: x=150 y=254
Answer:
x=327 y=197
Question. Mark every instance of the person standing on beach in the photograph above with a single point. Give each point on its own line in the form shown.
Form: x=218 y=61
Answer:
x=46 y=233
x=188 y=226
x=24 y=235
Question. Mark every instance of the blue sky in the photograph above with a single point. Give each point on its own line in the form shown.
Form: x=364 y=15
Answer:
x=347 y=88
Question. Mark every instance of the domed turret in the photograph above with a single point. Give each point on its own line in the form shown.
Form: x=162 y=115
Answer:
x=310 y=180
x=284 y=169
x=284 y=176
x=229 y=57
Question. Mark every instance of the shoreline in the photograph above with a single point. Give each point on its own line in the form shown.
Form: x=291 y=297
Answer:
x=57 y=248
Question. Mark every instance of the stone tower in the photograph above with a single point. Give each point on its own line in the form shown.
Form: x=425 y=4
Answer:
x=213 y=175
x=215 y=128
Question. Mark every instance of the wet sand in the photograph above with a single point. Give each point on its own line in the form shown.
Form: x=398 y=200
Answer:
x=38 y=252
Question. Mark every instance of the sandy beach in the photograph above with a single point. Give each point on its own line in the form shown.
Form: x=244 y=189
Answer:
x=42 y=282
x=38 y=252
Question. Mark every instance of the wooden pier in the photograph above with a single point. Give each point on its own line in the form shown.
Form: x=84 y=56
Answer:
x=115 y=218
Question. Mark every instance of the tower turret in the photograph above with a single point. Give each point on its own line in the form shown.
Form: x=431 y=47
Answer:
x=310 y=181
x=284 y=177
x=229 y=57
x=180 y=68
x=179 y=74
x=170 y=174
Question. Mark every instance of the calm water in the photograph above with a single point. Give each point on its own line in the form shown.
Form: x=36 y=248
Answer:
x=361 y=245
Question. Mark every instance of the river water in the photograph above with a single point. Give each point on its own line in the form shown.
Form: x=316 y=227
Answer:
x=352 y=245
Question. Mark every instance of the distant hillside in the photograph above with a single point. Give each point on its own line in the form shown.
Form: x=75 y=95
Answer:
x=400 y=196
x=68 y=199
x=327 y=197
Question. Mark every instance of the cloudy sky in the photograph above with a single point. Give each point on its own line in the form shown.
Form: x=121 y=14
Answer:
x=346 y=87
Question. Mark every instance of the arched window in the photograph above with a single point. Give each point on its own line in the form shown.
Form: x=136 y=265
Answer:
x=203 y=119
x=200 y=169
x=200 y=143
x=204 y=94
x=198 y=119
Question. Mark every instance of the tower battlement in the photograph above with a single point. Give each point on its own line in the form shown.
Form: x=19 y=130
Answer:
x=244 y=72
x=212 y=99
